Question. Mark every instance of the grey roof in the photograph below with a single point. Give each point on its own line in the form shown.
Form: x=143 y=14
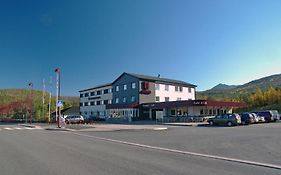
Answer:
x=96 y=87
x=159 y=79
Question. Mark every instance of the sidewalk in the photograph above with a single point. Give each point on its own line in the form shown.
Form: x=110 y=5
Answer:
x=194 y=124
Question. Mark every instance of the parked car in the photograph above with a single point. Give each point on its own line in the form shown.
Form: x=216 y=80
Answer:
x=247 y=118
x=225 y=119
x=71 y=119
x=92 y=119
x=258 y=119
x=269 y=116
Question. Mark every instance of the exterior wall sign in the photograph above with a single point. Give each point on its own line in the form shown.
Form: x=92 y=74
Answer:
x=145 y=88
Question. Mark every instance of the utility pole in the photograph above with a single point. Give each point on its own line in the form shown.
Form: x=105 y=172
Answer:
x=31 y=113
x=43 y=98
x=50 y=99
x=57 y=70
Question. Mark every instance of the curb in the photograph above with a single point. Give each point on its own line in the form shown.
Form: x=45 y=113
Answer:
x=30 y=126
x=189 y=125
x=59 y=129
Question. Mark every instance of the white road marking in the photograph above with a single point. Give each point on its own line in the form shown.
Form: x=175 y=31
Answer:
x=29 y=128
x=8 y=129
x=160 y=129
x=248 y=162
x=18 y=128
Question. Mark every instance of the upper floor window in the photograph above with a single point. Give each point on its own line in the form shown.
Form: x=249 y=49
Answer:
x=86 y=94
x=180 y=88
x=117 y=100
x=105 y=102
x=81 y=95
x=189 y=90
x=98 y=102
x=86 y=104
x=133 y=85
x=166 y=87
x=124 y=99
x=125 y=87
x=92 y=103
x=157 y=98
x=105 y=91
x=92 y=93
x=98 y=92
x=157 y=86
x=167 y=98
x=117 y=88
x=81 y=104
x=133 y=98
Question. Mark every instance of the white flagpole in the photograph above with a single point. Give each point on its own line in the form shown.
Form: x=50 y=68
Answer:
x=50 y=98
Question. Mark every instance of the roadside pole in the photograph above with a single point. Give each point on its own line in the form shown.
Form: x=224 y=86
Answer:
x=31 y=113
x=58 y=96
x=50 y=98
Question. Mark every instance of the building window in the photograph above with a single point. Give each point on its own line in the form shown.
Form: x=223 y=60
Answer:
x=86 y=104
x=157 y=98
x=81 y=95
x=98 y=102
x=85 y=113
x=98 y=92
x=117 y=88
x=157 y=86
x=86 y=94
x=81 y=104
x=92 y=103
x=178 y=99
x=180 y=88
x=166 y=87
x=201 y=111
x=133 y=85
x=124 y=99
x=105 y=91
x=176 y=88
x=173 y=112
x=92 y=93
x=125 y=87
x=116 y=100
x=189 y=90
x=105 y=102
x=167 y=98
x=133 y=98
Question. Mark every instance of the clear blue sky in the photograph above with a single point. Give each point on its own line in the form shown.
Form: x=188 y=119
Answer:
x=204 y=42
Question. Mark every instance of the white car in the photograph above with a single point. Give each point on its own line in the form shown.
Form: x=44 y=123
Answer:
x=74 y=119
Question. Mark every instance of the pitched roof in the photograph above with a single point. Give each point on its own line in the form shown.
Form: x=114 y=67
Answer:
x=96 y=87
x=159 y=79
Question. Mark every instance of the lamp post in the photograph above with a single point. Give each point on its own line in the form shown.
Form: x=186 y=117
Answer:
x=31 y=89
x=57 y=70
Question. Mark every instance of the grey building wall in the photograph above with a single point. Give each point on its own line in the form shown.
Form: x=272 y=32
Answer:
x=147 y=98
x=128 y=80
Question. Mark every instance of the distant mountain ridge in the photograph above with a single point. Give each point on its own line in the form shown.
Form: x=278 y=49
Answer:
x=223 y=91
x=223 y=87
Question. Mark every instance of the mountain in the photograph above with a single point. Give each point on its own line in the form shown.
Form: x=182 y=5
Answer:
x=223 y=87
x=225 y=92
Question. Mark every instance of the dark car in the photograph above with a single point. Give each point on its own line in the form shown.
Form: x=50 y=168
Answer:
x=247 y=118
x=269 y=116
x=92 y=119
x=225 y=119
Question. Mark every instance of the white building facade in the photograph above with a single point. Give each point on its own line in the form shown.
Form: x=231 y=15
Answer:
x=93 y=101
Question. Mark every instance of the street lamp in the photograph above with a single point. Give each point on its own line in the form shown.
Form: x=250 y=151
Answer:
x=57 y=70
x=31 y=89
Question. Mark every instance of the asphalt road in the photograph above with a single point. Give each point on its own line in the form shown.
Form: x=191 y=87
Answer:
x=33 y=152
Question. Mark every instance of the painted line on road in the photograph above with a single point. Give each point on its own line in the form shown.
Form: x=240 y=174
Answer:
x=18 y=128
x=8 y=129
x=248 y=162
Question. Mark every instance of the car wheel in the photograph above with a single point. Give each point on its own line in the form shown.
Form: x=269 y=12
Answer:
x=229 y=124
x=211 y=123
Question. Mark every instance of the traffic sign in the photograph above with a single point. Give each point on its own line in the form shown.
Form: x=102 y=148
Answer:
x=60 y=103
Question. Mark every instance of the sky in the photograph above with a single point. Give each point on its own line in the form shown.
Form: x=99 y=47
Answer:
x=203 y=42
